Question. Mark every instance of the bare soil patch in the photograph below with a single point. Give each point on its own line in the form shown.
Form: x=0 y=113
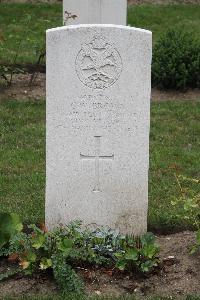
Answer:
x=21 y=90
x=173 y=95
x=178 y=275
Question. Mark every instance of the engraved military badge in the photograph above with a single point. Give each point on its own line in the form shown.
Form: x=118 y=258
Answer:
x=98 y=64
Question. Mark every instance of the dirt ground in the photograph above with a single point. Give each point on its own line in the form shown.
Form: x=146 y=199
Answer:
x=178 y=275
x=21 y=90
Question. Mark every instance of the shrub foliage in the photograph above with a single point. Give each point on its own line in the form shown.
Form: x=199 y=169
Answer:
x=176 y=61
x=66 y=248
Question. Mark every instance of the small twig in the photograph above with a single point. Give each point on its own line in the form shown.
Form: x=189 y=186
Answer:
x=14 y=61
x=35 y=72
x=179 y=185
x=17 y=52
x=68 y=16
x=4 y=77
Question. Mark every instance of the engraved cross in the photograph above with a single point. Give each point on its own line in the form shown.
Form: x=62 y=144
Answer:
x=97 y=157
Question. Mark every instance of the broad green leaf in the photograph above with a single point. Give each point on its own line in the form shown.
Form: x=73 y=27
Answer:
x=17 y=224
x=147 y=238
x=10 y=224
x=31 y=257
x=38 y=241
x=45 y=263
x=4 y=238
x=119 y=255
x=149 y=250
x=121 y=265
x=147 y=265
x=65 y=245
x=194 y=249
x=131 y=254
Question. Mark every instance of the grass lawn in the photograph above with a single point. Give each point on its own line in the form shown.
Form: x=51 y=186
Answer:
x=22 y=26
x=22 y=30
x=175 y=131
x=159 y=18
x=174 y=144
x=22 y=152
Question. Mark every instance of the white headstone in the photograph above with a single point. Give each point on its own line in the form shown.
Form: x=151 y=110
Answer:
x=98 y=111
x=94 y=12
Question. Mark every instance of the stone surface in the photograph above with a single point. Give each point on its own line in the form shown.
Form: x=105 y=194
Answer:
x=98 y=113
x=94 y=12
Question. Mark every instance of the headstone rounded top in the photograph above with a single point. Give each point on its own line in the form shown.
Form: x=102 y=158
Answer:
x=98 y=26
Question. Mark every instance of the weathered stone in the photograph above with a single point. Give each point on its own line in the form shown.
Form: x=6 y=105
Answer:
x=98 y=107
x=94 y=12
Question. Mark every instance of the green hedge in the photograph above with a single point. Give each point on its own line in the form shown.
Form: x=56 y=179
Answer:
x=176 y=61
